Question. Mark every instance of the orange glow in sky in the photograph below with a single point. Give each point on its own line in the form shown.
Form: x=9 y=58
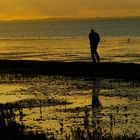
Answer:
x=33 y=9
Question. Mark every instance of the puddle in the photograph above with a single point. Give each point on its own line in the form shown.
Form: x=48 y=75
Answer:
x=12 y=93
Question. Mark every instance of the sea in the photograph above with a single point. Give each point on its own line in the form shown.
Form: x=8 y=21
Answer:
x=67 y=39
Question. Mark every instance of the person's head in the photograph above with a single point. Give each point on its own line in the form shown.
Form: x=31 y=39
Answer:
x=92 y=31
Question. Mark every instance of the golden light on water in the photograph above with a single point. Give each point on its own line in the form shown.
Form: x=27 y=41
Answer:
x=35 y=91
x=111 y=49
x=11 y=93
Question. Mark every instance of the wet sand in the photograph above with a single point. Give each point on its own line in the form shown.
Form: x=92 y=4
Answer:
x=103 y=69
x=55 y=104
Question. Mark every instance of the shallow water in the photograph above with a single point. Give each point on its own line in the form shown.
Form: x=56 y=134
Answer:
x=111 y=49
x=51 y=103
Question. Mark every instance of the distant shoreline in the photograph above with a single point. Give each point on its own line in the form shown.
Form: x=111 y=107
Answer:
x=70 y=19
x=74 y=69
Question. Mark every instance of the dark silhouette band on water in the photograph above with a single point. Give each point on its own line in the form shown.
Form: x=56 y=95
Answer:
x=95 y=98
x=94 y=39
x=96 y=104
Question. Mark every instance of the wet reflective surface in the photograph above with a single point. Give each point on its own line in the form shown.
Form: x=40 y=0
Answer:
x=111 y=49
x=57 y=104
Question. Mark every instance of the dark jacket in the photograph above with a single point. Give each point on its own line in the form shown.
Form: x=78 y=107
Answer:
x=94 y=38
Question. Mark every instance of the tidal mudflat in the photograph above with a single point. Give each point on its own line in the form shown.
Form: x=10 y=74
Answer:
x=67 y=107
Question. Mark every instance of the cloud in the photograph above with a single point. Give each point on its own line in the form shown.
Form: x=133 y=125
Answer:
x=85 y=12
x=67 y=8
x=114 y=4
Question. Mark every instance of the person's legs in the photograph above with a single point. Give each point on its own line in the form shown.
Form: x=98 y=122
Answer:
x=92 y=54
x=93 y=57
x=97 y=56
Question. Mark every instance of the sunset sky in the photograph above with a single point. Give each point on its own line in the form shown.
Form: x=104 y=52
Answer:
x=33 y=9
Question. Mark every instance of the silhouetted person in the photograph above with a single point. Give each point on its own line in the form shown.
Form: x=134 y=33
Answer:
x=94 y=39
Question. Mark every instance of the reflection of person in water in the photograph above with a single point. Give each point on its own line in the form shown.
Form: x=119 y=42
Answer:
x=95 y=94
x=94 y=39
x=95 y=98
